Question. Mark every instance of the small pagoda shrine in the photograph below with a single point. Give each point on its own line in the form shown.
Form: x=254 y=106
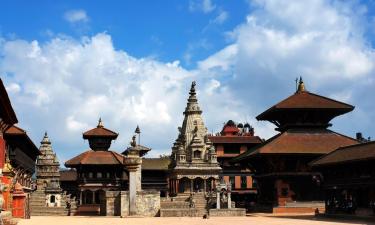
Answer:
x=98 y=170
x=281 y=163
x=48 y=198
x=194 y=166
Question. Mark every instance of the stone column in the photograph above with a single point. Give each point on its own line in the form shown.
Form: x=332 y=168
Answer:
x=81 y=198
x=191 y=186
x=93 y=197
x=177 y=185
x=204 y=186
x=218 y=199
x=132 y=191
x=229 y=200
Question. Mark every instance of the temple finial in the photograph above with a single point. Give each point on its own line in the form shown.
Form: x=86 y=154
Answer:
x=137 y=130
x=301 y=85
x=45 y=139
x=100 y=123
x=192 y=89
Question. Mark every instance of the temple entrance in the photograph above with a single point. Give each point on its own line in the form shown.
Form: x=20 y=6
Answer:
x=87 y=197
x=198 y=185
x=184 y=185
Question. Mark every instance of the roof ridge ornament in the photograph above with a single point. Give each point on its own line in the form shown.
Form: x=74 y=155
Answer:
x=192 y=88
x=45 y=139
x=301 y=85
x=100 y=123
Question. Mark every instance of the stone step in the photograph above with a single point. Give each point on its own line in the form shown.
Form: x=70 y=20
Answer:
x=182 y=213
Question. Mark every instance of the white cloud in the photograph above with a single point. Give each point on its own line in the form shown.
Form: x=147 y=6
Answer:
x=65 y=85
x=221 y=17
x=76 y=15
x=205 y=6
x=320 y=40
x=13 y=88
x=68 y=84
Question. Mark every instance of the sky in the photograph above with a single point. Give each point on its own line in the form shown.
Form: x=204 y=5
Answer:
x=67 y=63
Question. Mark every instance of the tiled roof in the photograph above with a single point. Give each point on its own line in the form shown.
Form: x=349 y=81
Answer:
x=6 y=110
x=300 y=141
x=100 y=132
x=155 y=163
x=15 y=131
x=359 y=152
x=307 y=100
x=91 y=157
x=235 y=139
x=68 y=175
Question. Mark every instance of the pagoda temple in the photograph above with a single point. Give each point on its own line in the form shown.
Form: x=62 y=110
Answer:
x=281 y=163
x=48 y=198
x=98 y=170
x=233 y=140
x=194 y=166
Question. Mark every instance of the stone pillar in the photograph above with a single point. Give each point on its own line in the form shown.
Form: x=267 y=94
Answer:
x=93 y=197
x=80 y=197
x=191 y=186
x=218 y=199
x=139 y=176
x=132 y=191
x=204 y=186
x=229 y=200
x=177 y=185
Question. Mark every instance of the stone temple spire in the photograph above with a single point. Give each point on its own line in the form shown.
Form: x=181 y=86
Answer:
x=192 y=104
x=47 y=165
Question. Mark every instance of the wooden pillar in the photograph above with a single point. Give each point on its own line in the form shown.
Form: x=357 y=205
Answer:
x=93 y=197
x=177 y=185
x=80 y=198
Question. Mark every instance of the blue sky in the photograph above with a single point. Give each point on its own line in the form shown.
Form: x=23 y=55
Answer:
x=166 y=30
x=67 y=63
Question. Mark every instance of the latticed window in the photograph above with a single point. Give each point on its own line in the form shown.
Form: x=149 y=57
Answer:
x=197 y=154
x=243 y=182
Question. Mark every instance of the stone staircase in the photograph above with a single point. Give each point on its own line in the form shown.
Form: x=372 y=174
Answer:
x=38 y=205
x=179 y=206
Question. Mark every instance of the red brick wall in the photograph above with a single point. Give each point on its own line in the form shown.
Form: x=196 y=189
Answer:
x=249 y=182
x=219 y=150
x=243 y=149
x=2 y=151
x=237 y=182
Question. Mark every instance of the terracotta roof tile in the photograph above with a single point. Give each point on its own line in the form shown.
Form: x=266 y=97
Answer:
x=307 y=100
x=100 y=132
x=155 y=163
x=300 y=141
x=235 y=139
x=15 y=131
x=6 y=110
x=68 y=175
x=91 y=157
x=359 y=152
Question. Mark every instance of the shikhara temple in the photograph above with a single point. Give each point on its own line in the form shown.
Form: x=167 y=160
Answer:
x=305 y=168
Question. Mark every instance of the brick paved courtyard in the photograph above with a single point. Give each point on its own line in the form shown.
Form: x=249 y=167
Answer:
x=250 y=220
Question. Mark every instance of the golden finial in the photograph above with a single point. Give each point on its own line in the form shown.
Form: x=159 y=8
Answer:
x=301 y=85
x=100 y=124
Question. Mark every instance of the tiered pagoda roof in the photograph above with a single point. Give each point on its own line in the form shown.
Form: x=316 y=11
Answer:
x=100 y=139
x=304 y=109
x=91 y=157
x=353 y=153
x=302 y=120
